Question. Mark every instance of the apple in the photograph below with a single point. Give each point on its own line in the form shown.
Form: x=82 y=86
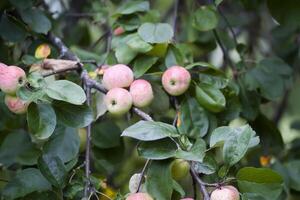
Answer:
x=141 y=92
x=187 y=199
x=117 y=76
x=11 y=78
x=176 y=80
x=119 y=31
x=118 y=101
x=15 y=104
x=2 y=65
x=139 y=196
x=83 y=136
x=180 y=169
x=225 y=193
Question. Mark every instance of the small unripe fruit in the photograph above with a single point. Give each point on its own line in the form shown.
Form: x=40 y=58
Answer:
x=119 y=31
x=180 y=169
x=118 y=101
x=225 y=193
x=117 y=76
x=141 y=92
x=176 y=80
x=139 y=196
x=83 y=137
x=16 y=105
x=11 y=78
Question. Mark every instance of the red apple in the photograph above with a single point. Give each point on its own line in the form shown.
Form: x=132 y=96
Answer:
x=141 y=92
x=119 y=31
x=16 y=105
x=118 y=101
x=11 y=78
x=225 y=193
x=117 y=76
x=176 y=80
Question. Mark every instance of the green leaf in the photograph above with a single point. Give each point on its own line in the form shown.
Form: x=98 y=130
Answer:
x=196 y=153
x=64 y=143
x=173 y=57
x=125 y=54
x=53 y=169
x=159 y=182
x=149 y=131
x=132 y=7
x=137 y=44
x=73 y=115
x=67 y=91
x=25 y=182
x=106 y=135
x=217 y=81
x=258 y=175
x=11 y=30
x=41 y=120
x=193 y=119
x=236 y=142
x=157 y=150
x=293 y=168
x=210 y=98
x=205 y=18
x=178 y=188
x=156 y=33
x=22 y=4
x=36 y=20
x=142 y=64
x=160 y=103
x=208 y=166
x=98 y=104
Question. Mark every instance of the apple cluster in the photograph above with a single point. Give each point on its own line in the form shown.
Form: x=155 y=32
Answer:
x=11 y=79
x=118 y=78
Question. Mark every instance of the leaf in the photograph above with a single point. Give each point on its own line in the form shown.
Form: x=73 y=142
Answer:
x=205 y=18
x=67 y=91
x=160 y=103
x=73 y=115
x=41 y=120
x=36 y=20
x=293 y=168
x=22 y=4
x=11 y=30
x=258 y=175
x=106 y=135
x=193 y=120
x=177 y=187
x=64 y=143
x=173 y=57
x=53 y=169
x=138 y=45
x=156 y=33
x=149 y=131
x=142 y=64
x=208 y=166
x=125 y=54
x=236 y=142
x=210 y=98
x=132 y=7
x=196 y=153
x=25 y=182
x=159 y=182
x=157 y=150
x=216 y=81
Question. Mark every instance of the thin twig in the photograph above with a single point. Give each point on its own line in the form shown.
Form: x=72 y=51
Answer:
x=175 y=14
x=142 y=114
x=201 y=184
x=142 y=174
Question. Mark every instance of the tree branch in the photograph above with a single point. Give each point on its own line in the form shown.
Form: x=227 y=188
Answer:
x=200 y=183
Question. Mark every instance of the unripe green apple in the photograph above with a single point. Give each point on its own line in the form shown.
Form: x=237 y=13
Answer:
x=83 y=136
x=141 y=92
x=180 y=169
x=117 y=76
x=15 y=104
x=176 y=80
x=11 y=78
x=118 y=101
x=225 y=193
x=139 y=196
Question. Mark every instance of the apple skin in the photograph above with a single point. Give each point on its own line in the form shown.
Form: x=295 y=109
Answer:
x=180 y=169
x=83 y=137
x=141 y=92
x=139 y=196
x=187 y=199
x=118 y=101
x=11 y=78
x=2 y=65
x=225 y=193
x=176 y=80
x=16 y=105
x=117 y=76
x=119 y=31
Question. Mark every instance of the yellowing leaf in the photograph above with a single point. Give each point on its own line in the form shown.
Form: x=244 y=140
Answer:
x=42 y=51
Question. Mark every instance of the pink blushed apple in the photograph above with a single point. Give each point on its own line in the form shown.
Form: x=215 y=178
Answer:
x=225 y=193
x=176 y=80
x=11 y=78
x=139 y=196
x=117 y=76
x=16 y=105
x=141 y=92
x=187 y=199
x=119 y=31
x=118 y=101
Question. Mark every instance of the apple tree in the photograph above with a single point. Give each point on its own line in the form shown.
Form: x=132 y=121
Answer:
x=149 y=100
